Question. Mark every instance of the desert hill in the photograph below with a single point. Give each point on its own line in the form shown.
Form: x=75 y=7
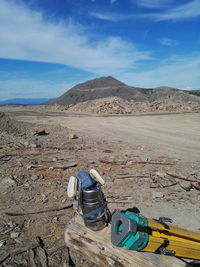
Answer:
x=100 y=88
x=111 y=87
x=168 y=94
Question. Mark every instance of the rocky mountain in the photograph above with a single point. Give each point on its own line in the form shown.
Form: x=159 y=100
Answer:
x=168 y=94
x=110 y=87
x=194 y=92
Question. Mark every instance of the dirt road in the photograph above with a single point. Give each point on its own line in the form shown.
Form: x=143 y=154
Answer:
x=172 y=135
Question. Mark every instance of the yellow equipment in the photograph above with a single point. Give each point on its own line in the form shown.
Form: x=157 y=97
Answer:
x=135 y=231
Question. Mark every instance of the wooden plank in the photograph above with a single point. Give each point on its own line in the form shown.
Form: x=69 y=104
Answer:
x=97 y=248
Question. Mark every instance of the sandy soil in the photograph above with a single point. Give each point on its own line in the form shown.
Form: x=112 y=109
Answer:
x=172 y=135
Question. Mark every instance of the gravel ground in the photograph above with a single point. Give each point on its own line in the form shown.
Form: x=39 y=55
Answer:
x=35 y=170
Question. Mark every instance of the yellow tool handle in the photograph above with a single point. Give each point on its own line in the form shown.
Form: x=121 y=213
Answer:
x=174 y=230
x=180 y=249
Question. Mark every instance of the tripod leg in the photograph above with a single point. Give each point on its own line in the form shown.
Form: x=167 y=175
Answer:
x=174 y=230
x=172 y=245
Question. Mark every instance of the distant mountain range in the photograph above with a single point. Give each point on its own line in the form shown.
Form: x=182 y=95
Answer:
x=109 y=86
x=25 y=101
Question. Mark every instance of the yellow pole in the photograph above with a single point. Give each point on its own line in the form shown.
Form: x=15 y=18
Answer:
x=181 y=242
x=174 y=230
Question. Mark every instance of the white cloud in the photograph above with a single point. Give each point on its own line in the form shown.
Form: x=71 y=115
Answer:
x=154 y=3
x=185 y=11
x=168 y=42
x=180 y=72
x=26 y=36
x=113 y=17
x=188 y=10
x=105 y=16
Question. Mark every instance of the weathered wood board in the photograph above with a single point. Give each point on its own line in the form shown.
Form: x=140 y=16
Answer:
x=97 y=248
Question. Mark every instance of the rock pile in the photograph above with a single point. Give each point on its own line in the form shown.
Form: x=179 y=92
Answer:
x=116 y=105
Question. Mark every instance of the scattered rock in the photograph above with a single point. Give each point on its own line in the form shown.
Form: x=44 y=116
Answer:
x=154 y=184
x=26 y=143
x=73 y=136
x=44 y=198
x=28 y=167
x=7 y=182
x=194 y=172
x=11 y=224
x=185 y=185
x=33 y=145
x=146 y=159
x=18 y=145
x=35 y=177
x=156 y=194
x=2 y=243
x=14 y=235
x=26 y=185
x=40 y=132
x=55 y=220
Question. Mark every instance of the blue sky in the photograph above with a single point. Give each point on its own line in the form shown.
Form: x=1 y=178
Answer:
x=48 y=46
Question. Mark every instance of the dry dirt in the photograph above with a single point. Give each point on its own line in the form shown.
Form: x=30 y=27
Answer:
x=138 y=156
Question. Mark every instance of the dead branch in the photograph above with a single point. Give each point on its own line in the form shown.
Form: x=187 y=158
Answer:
x=129 y=176
x=134 y=162
x=39 y=211
x=59 y=245
x=167 y=185
x=41 y=168
x=151 y=162
x=19 y=250
x=181 y=177
x=31 y=260
x=196 y=185
x=41 y=256
x=112 y=162
x=70 y=165
x=7 y=231
x=8 y=155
